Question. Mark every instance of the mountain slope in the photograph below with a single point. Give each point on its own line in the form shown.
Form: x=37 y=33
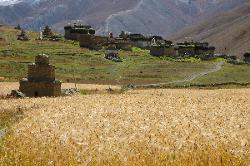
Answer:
x=229 y=32
x=60 y=12
x=164 y=16
x=161 y=17
x=8 y=2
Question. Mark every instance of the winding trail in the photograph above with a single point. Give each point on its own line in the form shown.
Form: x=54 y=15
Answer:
x=217 y=67
x=113 y=16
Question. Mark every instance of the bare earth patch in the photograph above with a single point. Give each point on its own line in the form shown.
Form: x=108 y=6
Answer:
x=153 y=127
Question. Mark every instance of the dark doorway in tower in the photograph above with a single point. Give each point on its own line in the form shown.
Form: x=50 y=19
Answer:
x=36 y=94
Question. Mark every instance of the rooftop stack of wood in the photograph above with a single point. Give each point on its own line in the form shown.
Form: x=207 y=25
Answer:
x=73 y=32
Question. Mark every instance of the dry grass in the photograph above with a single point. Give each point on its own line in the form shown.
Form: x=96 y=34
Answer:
x=146 y=127
x=6 y=87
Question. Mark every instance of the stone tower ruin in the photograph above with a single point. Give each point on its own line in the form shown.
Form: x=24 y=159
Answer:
x=41 y=79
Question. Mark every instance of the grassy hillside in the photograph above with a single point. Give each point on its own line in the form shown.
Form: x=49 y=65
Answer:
x=229 y=30
x=89 y=66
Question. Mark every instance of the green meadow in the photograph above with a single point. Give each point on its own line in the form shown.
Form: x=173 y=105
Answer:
x=89 y=66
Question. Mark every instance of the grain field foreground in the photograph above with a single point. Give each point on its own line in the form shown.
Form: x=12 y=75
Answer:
x=144 y=127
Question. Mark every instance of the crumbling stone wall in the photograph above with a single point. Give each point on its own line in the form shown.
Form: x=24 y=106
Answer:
x=156 y=51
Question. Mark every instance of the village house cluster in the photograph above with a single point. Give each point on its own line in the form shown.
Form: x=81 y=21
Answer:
x=182 y=50
x=157 y=45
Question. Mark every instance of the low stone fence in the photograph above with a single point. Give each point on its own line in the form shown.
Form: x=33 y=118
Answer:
x=208 y=86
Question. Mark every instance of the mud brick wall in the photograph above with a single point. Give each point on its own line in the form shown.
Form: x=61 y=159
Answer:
x=205 y=52
x=41 y=73
x=141 y=44
x=183 y=51
x=157 y=51
x=39 y=89
x=101 y=39
x=124 y=46
x=161 y=51
x=72 y=36
x=67 y=34
x=42 y=60
x=170 y=51
x=87 y=41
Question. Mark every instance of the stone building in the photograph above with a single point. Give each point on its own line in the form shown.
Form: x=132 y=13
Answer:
x=92 y=41
x=47 y=32
x=123 y=44
x=41 y=79
x=73 y=32
x=162 y=50
x=204 y=51
x=96 y=42
x=247 y=57
x=199 y=49
x=124 y=35
x=140 y=41
x=87 y=41
x=157 y=39
x=185 y=50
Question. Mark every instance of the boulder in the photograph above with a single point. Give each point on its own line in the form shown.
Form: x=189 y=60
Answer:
x=70 y=92
x=17 y=94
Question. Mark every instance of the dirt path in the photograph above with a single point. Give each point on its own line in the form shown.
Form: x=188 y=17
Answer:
x=217 y=67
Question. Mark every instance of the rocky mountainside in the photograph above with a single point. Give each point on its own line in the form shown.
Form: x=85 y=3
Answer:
x=162 y=17
x=229 y=31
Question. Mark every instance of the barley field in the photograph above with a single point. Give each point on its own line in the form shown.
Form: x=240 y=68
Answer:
x=140 y=127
